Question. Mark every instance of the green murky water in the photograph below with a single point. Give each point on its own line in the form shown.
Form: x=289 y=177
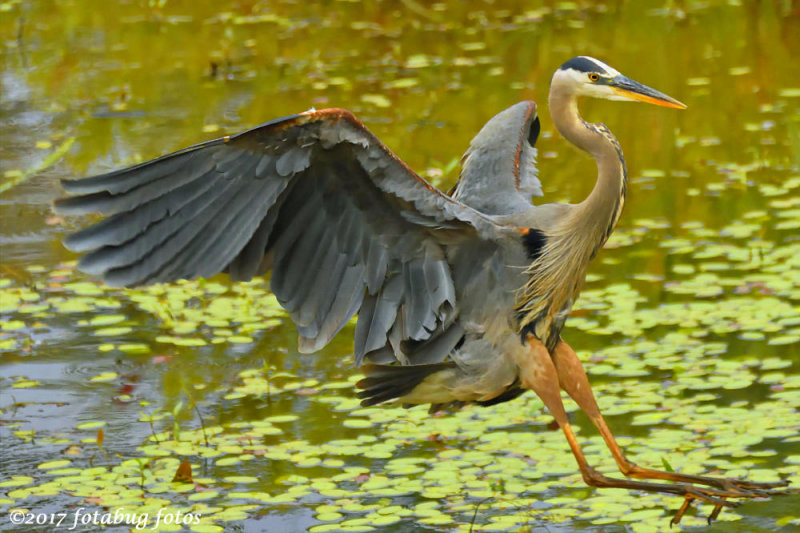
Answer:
x=690 y=324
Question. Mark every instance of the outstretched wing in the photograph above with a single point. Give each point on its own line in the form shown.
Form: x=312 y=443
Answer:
x=498 y=173
x=342 y=223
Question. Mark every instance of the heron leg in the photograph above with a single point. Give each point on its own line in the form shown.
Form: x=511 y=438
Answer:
x=538 y=372
x=572 y=378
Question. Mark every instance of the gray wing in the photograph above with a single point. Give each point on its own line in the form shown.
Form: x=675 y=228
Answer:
x=498 y=173
x=342 y=223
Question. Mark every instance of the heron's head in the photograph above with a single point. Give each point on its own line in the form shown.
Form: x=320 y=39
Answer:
x=587 y=76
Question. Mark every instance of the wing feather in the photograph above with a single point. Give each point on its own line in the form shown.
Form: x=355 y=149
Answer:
x=345 y=226
x=121 y=181
x=137 y=260
x=122 y=227
x=228 y=236
x=347 y=301
x=148 y=239
x=330 y=271
x=310 y=279
x=377 y=262
x=304 y=259
x=109 y=202
x=374 y=327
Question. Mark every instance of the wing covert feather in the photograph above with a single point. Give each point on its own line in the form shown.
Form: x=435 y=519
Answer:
x=344 y=225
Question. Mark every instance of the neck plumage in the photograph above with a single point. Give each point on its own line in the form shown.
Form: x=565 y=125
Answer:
x=556 y=275
x=597 y=215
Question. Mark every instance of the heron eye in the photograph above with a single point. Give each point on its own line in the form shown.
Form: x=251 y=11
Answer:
x=594 y=76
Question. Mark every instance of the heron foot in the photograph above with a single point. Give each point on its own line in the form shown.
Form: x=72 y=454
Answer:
x=742 y=484
x=729 y=494
x=539 y=371
x=630 y=469
x=728 y=488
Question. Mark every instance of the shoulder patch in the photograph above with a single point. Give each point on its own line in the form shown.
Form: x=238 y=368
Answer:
x=533 y=133
x=534 y=241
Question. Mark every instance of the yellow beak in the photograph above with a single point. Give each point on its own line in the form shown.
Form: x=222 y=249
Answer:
x=633 y=90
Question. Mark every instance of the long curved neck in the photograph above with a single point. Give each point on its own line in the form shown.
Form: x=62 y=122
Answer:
x=598 y=213
x=556 y=276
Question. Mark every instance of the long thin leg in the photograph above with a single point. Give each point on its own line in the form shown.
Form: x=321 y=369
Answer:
x=572 y=378
x=538 y=373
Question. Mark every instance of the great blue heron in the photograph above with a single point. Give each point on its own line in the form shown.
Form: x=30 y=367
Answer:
x=460 y=298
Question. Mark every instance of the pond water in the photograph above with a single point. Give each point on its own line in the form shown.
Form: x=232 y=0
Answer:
x=689 y=325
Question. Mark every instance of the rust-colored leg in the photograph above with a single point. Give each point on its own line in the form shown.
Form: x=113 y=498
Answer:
x=572 y=379
x=538 y=373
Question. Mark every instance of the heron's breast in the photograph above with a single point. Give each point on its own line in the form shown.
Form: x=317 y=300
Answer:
x=545 y=299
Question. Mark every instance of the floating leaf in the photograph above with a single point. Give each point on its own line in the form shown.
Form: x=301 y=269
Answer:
x=183 y=474
x=105 y=376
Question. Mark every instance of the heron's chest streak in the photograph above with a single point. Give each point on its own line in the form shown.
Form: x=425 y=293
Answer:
x=548 y=323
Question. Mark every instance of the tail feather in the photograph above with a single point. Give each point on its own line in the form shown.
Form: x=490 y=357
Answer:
x=386 y=382
x=508 y=395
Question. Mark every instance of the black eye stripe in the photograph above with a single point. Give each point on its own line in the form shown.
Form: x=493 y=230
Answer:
x=581 y=64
